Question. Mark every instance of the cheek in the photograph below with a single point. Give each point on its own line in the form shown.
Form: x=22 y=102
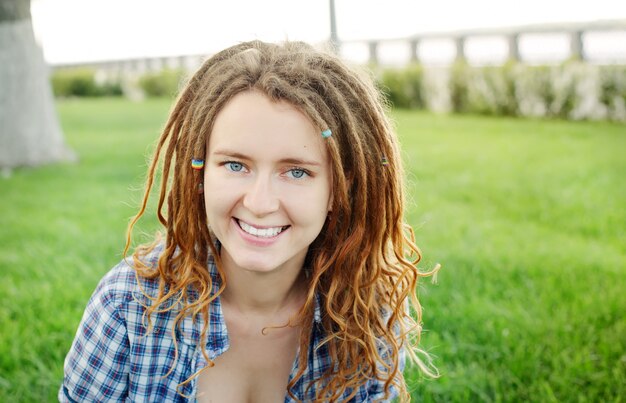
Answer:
x=219 y=195
x=308 y=207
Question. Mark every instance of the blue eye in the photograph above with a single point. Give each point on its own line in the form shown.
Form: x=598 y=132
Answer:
x=234 y=166
x=297 y=173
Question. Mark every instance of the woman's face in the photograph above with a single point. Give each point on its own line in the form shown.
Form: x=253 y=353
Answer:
x=267 y=183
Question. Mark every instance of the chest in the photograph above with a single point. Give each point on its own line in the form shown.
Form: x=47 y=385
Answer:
x=254 y=369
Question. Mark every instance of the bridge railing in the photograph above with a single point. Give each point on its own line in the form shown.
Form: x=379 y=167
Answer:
x=578 y=34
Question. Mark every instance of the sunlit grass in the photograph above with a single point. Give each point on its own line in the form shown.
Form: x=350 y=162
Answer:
x=61 y=228
x=527 y=218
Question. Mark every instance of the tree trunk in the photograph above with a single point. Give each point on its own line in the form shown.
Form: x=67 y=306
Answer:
x=30 y=133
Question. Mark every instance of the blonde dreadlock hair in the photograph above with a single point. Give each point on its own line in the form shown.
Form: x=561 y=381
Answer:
x=362 y=264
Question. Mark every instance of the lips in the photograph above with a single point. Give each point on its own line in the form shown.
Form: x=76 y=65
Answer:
x=266 y=232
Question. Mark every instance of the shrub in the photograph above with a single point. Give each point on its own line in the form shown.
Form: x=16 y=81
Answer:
x=571 y=90
x=404 y=87
x=113 y=89
x=74 y=82
x=165 y=83
x=554 y=91
x=414 y=86
x=515 y=89
x=612 y=91
x=563 y=83
x=390 y=84
x=81 y=82
x=490 y=90
x=533 y=89
x=460 y=77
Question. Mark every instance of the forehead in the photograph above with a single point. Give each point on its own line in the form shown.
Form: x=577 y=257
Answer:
x=251 y=124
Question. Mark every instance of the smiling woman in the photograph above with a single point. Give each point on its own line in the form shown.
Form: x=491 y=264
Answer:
x=286 y=270
x=268 y=201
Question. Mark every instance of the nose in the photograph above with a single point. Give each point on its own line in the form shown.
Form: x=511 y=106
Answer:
x=259 y=197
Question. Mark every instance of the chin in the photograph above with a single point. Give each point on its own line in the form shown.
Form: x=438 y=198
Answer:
x=258 y=264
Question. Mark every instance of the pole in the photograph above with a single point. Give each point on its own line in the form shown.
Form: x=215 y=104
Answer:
x=334 y=38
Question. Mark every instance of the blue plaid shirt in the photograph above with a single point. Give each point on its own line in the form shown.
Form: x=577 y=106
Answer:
x=112 y=357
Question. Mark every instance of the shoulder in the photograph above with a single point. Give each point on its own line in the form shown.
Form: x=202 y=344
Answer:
x=121 y=284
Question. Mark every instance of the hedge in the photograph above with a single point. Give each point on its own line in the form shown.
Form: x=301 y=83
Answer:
x=164 y=83
x=572 y=90
x=82 y=82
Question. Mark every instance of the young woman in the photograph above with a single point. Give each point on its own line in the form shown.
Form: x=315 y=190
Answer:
x=286 y=272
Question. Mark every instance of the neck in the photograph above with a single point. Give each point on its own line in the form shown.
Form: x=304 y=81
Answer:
x=277 y=293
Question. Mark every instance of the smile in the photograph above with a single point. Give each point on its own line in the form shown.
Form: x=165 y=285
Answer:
x=261 y=232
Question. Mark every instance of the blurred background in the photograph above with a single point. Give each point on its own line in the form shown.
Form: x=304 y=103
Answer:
x=512 y=122
x=73 y=31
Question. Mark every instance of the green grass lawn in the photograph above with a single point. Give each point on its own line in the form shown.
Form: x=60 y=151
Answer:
x=526 y=217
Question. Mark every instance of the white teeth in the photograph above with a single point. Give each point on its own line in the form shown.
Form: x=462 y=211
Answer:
x=260 y=232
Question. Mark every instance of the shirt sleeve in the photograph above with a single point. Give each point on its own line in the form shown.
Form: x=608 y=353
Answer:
x=96 y=367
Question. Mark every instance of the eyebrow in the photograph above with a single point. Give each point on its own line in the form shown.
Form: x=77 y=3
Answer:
x=294 y=161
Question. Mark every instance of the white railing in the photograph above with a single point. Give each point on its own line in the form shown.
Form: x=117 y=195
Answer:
x=578 y=33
